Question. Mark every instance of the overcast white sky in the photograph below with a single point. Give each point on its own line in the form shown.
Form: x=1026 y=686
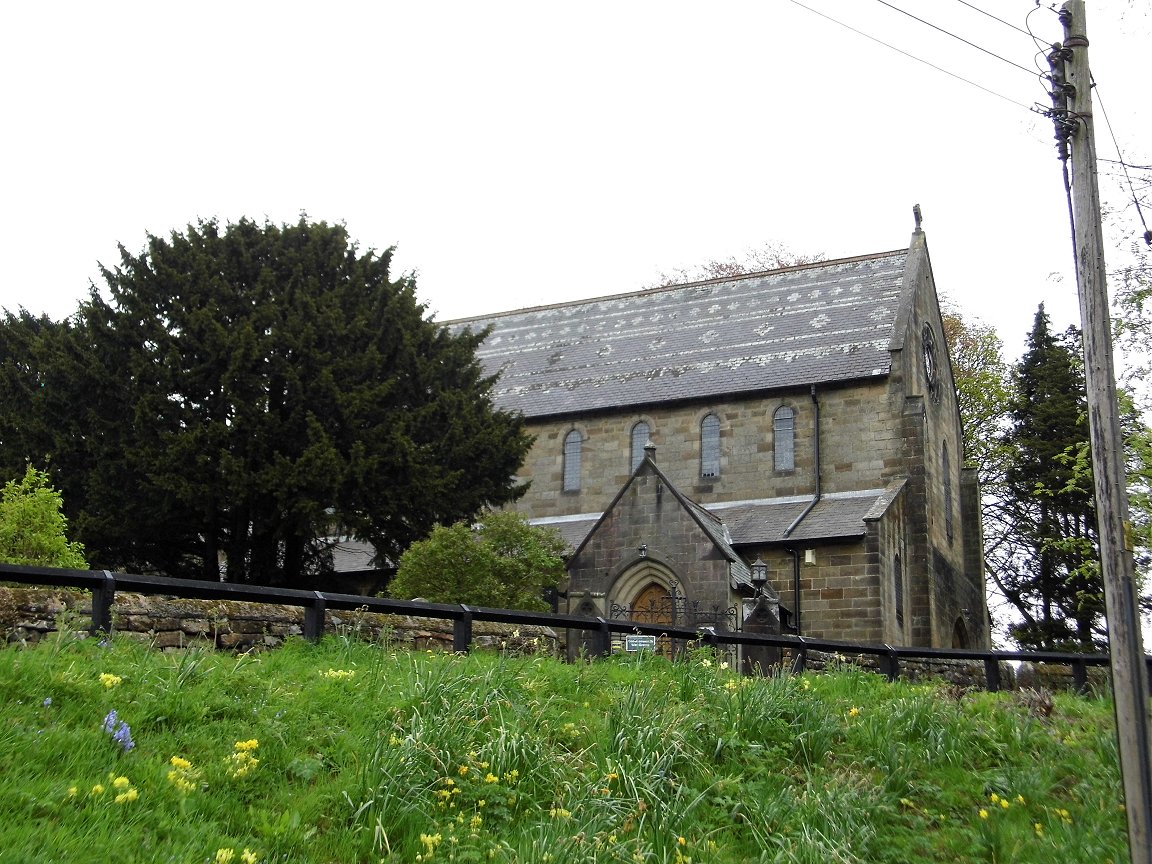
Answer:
x=520 y=153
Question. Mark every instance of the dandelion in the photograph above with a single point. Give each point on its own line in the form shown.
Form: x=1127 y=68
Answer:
x=224 y=856
x=855 y=712
x=109 y=680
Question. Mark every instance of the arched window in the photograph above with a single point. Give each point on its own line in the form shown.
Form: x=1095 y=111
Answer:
x=640 y=435
x=573 y=443
x=710 y=446
x=784 y=438
x=898 y=586
x=947 y=466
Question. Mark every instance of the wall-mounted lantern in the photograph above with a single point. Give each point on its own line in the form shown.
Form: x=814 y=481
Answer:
x=759 y=576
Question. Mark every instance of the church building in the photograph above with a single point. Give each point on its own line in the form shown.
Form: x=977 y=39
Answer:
x=799 y=424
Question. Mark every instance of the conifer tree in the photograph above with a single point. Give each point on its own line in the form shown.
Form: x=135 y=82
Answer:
x=1053 y=580
x=245 y=391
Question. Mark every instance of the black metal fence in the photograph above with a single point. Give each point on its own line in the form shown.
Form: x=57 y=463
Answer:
x=598 y=631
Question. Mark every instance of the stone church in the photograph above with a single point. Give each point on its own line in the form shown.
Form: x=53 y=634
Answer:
x=799 y=424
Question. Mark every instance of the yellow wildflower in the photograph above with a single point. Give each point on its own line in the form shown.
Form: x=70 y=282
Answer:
x=180 y=762
x=1038 y=828
x=129 y=795
x=983 y=813
x=73 y=791
x=248 y=856
x=1019 y=799
x=463 y=770
x=109 y=680
x=246 y=746
x=224 y=856
x=560 y=813
x=98 y=789
x=491 y=778
x=855 y=712
x=682 y=841
x=1005 y=803
x=121 y=783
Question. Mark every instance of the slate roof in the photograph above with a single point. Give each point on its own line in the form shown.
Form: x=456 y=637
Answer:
x=837 y=516
x=816 y=323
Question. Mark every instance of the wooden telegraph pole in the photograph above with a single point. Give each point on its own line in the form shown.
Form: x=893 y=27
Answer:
x=1129 y=673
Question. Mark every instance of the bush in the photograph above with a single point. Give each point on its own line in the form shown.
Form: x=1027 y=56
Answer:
x=503 y=562
x=33 y=526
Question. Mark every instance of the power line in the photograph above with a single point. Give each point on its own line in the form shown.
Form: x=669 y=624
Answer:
x=913 y=56
x=954 y=36
x=994 y=18
x=1124 y=165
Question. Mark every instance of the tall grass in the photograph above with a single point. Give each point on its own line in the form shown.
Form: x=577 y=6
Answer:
x=352 y=752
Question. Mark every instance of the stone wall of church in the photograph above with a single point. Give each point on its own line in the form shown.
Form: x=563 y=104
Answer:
x=860 y=449
x=840 y=592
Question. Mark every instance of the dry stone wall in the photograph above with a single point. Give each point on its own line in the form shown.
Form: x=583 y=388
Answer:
x=27 y=615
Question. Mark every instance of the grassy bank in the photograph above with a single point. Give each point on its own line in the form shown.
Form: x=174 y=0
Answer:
x=347 y=752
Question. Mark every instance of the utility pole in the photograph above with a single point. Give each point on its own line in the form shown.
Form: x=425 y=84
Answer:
x=1129 y=673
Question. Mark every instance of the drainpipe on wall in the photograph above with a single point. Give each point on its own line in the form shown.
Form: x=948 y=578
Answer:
x=811 y=504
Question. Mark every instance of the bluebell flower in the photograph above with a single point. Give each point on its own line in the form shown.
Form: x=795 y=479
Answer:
x=48 y=702
x=123 y=736
x=110 y=722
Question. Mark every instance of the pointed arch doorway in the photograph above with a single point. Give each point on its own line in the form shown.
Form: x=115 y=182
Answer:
x=646 y=593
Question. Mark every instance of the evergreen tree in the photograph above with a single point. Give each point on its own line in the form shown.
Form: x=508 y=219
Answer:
x=1053 y=579
x=246 y=391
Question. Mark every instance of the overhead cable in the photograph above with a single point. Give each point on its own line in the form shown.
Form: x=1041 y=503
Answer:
x=954 y=36
x=913 y=56
x=994 y=18
x=1123 y=164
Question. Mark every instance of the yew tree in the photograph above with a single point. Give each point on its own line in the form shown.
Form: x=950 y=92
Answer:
x=247 y=390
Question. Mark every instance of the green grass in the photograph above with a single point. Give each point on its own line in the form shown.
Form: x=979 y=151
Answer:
x=366 y=754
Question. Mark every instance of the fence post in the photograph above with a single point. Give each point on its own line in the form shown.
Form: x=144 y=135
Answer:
x=103 y=597
x=1080 y=677
x=800 y=662
x=890 y=663
x=603 y=639
x=314 y=618
x=462 y=632
x=992 y=674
